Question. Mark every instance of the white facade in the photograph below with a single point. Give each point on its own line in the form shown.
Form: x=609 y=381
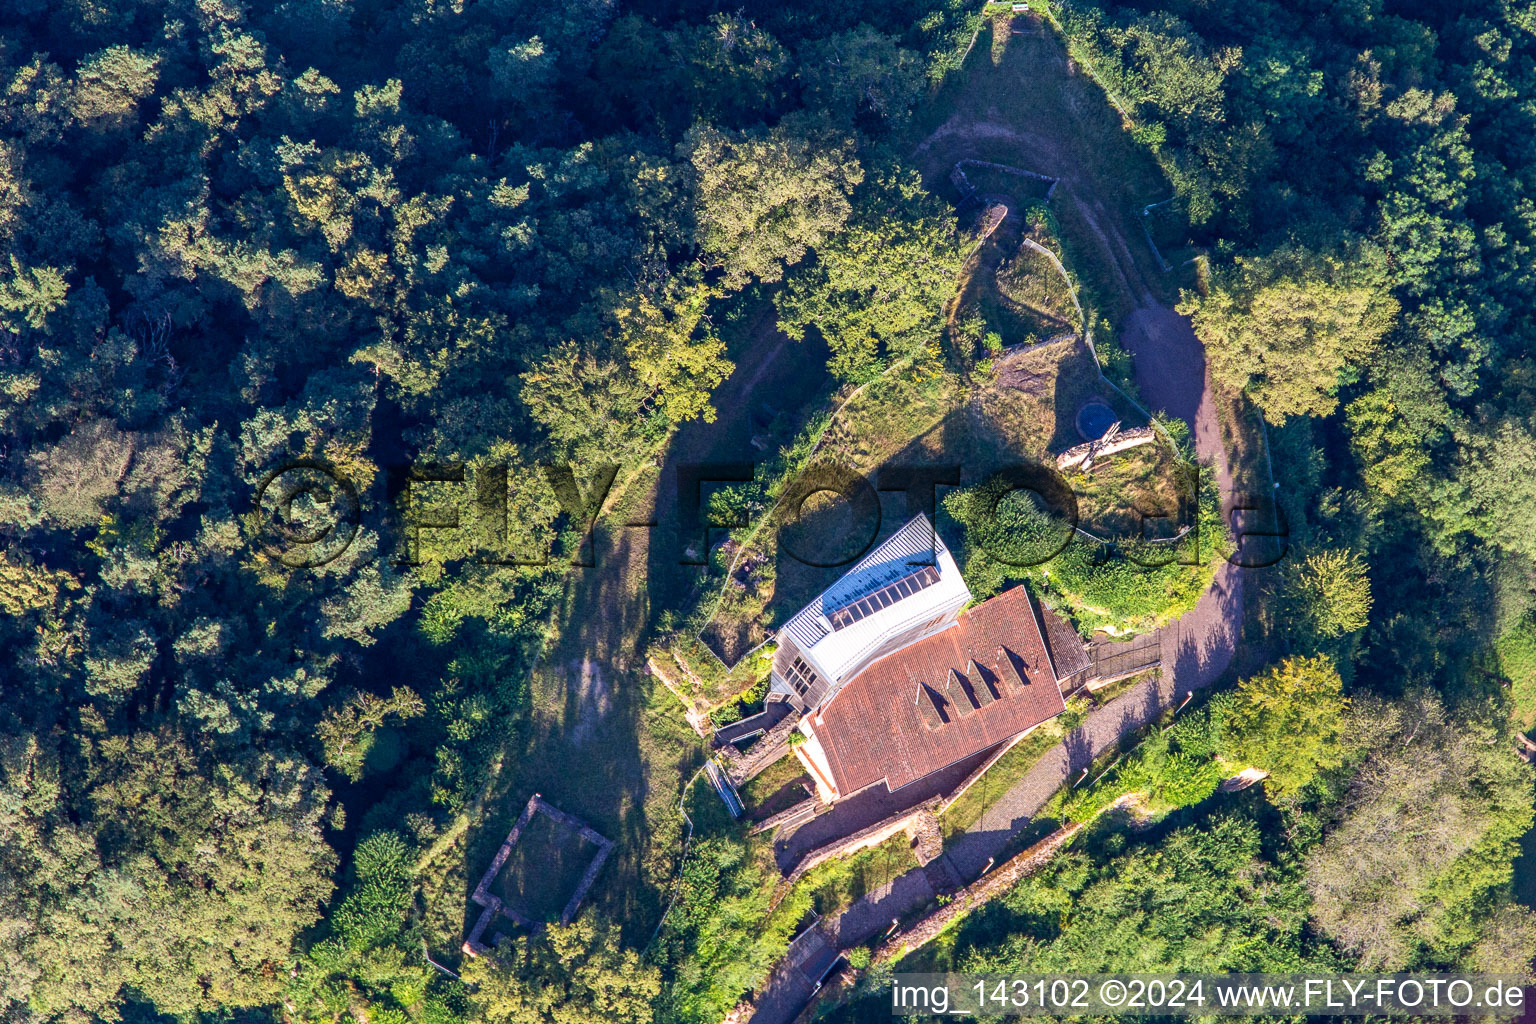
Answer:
x=907 y=588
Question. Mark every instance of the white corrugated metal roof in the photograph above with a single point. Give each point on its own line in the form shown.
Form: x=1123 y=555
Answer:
x=906 y=551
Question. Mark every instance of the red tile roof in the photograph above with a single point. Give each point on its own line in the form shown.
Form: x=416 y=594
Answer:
x=920 y=709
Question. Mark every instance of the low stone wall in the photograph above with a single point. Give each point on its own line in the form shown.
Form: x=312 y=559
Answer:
x=770 y=746
x=988 y=886
x=975 y=776
x=917 y=821
x=474 y=944
x=993 y=883
x=966 y=189
x=797 y=814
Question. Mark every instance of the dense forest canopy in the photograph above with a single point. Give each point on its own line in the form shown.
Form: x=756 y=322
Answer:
x=380 y=233
x=364 y=235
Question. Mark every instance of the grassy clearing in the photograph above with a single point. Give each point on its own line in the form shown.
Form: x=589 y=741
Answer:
x=834 y=886
x=1516 y=650
x=1124 y=489
x=1122 y=585
x=727 y=692
x=619 y=770
x=543 y=869
x=1109 y=691
x=1021 y=101
x=1029 y=287
x=776 y=788
x=1010 y=289
x=887 y=415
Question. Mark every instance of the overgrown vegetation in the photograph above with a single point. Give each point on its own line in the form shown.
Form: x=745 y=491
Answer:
x=482 y=236
x=1027 y=527
x=1012 y=766
x=351 y=238
x=1191 y=881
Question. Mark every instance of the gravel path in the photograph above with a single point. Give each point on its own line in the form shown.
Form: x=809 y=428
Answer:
x=1199 y=646
x=1172 y=377
x=1196 y=650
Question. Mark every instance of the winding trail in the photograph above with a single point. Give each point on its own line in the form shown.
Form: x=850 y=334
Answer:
x=1197 y=648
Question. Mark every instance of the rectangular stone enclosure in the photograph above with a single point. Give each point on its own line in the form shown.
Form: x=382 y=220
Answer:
x=549 y=860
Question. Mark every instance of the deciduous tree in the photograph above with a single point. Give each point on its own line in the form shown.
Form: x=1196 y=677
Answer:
x=1422 y=841
x=1330 y=594
x=877 y=290
x=567 y=974
x=763 y=198
x=1289 y=722
x=1289 y=327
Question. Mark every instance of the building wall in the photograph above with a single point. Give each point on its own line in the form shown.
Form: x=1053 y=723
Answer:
x=833 y=656
x=814 y=759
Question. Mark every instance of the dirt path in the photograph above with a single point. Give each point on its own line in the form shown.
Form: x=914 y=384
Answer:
x=1048 y=158
x=1198 y=646
x=1196 y=649
x=1172 y=377
x=609 y=604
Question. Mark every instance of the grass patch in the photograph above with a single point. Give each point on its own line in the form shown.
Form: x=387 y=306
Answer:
x=1124 y=489
x=544 y=868
x=1021 y=102
x=729 y=692
x=775 y=788
x=1109 y=691
x=751 y=700
x=1030 y=286
x=614 y=753
x=884 y=418
x=834 y=886
x=1516 y=650
x=1013 y=290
